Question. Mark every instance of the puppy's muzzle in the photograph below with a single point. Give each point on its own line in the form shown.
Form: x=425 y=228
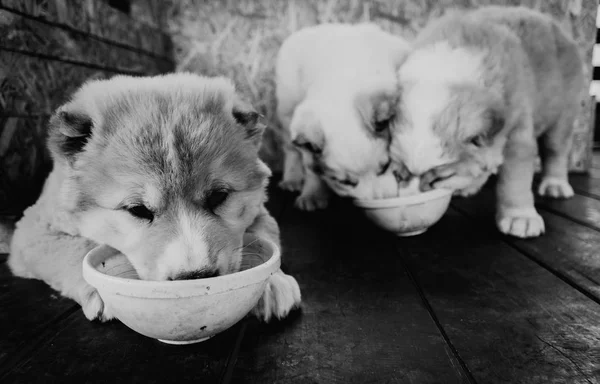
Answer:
x=193 y=275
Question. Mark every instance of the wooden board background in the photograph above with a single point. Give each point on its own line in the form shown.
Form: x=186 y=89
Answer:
x=47 y=49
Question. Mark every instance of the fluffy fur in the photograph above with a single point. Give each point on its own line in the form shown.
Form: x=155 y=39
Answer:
x=164 y=169
x=336 y=93
x=477 y=91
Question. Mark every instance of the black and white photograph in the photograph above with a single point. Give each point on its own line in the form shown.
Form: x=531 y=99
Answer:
x=300 y=191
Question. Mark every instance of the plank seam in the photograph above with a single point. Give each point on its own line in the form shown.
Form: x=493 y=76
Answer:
x=586 y=194
x=89 y=35
x=35 y=342
x=72 y=62
x=233 y=355
x=539 y=262
x=436 y=321
x=565 y=216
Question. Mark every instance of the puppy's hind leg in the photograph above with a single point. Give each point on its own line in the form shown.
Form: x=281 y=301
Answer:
x=555 y=145
x=315 y=193
x=293 y=172
x=516 y=214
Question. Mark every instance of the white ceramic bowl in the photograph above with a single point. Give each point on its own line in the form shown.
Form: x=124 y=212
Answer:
x=407 y=215
x=182 y=311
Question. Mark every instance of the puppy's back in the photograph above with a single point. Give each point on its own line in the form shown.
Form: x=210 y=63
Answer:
x=541 y=36
x=524 y=50
x=324 y=52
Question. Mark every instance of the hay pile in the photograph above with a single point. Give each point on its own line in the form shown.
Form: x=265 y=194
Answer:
x=240 y=38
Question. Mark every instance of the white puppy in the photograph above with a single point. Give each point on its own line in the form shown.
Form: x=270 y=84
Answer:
x=164 y=169
x=336 y=94
x=477 y=92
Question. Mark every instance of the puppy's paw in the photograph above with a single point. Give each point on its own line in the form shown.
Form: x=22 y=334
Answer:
x=292 y=185
x=523 y=223
x=555 y=187
x=94 y=308
x=312 y=202
x=282 y=294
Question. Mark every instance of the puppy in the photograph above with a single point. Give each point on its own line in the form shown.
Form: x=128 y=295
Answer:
x=164 y=169
x=477 y=91
x=336 y=93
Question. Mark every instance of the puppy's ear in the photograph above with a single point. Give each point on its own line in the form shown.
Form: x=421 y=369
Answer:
x=250 y=120
x=476 y=115
x=494 y=116
x=384 y=110
x=378 y=109
x=69 y=132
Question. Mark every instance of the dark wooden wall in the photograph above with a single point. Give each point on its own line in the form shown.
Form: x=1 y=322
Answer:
x=47 y=49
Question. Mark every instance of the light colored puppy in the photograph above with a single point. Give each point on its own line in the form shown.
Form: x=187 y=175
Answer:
x=336 y=93
x=477 y=91
x=164 y=169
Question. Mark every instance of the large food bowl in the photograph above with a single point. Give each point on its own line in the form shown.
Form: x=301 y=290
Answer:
x=181 y=311
x=407 y=215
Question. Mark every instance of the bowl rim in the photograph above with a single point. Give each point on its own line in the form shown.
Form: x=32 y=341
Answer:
x=433 y=194
x=150 y=289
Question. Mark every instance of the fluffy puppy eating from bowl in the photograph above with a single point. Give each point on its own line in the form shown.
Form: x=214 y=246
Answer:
x=164 y=169
x=477 y=91
x=336 y=94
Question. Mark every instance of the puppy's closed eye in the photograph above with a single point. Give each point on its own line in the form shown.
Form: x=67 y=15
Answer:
x=382 y=125
x=475 y=140
x=216 y=198
x=140 y=211
x=301 y=142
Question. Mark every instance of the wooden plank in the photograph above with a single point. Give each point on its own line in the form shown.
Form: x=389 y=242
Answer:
x=569 y=249
x=28 y=309
x=586 y=185
x=362 y=320
x=510 y=320
x=86 y=352
x=580 y=209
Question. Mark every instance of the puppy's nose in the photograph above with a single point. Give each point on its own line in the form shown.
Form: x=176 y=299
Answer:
x=199 y=274
x=384 y=167
x=403 y=174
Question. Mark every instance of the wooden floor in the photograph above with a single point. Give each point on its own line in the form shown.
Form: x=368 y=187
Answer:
x=459 y=304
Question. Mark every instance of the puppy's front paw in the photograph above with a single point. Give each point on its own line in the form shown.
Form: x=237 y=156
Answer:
x=282 y=294
x=312 y=202
x=292 y=185
x=94 y=308
x=523 y=223
x=555 y=187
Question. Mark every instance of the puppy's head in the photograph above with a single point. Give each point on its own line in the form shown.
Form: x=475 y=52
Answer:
x=444 y=123
x=445 y=111
x=347 y=137
x=164 y=169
